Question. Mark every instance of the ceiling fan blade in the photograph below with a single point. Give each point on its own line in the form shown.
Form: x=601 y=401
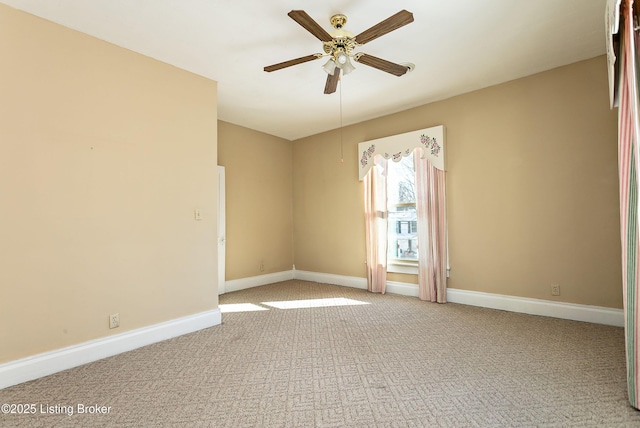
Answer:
x=382 y=64
x=332 y=82
x=291 y=62
x=394 y=22
x=302 y=18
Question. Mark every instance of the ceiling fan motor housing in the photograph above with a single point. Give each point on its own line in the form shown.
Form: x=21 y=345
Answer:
x=342 y=40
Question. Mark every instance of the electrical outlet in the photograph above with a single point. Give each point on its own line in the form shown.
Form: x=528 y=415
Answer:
x=555 y=290
x=261 y=266
x=114 y=320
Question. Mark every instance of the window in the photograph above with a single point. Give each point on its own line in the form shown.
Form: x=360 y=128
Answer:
x=402 y=234
x=394 y=209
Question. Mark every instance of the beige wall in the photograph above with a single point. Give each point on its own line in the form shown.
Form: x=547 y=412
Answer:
x=104 y=155
x=531 y=182
x=259 y=205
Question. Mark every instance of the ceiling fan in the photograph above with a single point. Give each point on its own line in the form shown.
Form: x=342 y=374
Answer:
x=340 y=43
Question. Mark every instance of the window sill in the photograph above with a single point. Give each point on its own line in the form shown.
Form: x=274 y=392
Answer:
x=407 y=268
x=400 y=267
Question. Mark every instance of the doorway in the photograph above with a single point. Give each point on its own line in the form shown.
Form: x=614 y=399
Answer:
x=221 y=231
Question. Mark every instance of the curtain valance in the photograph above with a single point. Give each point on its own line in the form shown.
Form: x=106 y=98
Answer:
x=612 y=23
x=395 y=147
x=612 y=28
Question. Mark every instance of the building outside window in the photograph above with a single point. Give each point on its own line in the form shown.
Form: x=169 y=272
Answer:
x=402 y=236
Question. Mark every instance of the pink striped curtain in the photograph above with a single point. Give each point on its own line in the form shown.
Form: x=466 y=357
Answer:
x=375 y=211
x=628 y=125
x=432 y=230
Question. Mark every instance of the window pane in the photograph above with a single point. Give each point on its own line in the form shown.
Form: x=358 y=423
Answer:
x=403 y=236
x=401 y=206
x=401 y=182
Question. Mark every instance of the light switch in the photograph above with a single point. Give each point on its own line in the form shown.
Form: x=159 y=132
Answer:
x=197 y=214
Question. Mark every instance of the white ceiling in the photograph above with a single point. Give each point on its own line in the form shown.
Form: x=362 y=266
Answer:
x=457 y=46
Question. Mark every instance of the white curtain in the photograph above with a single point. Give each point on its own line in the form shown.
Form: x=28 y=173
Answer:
x=375 y=209
x=432 y=230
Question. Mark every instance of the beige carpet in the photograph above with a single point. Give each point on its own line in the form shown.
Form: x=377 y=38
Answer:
x=392 y=362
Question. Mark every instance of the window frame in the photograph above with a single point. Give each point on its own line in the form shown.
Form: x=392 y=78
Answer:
x=394 y=264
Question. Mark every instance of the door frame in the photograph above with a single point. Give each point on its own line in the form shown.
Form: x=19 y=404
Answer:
x=221 y=230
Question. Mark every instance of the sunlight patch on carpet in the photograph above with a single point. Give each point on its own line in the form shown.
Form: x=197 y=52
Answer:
x=241 y=307
x=314 y=303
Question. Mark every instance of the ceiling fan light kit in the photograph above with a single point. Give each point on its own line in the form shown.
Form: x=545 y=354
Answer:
x=340 y=60
x=340 y=44
x=347 y=67
x=329 y=66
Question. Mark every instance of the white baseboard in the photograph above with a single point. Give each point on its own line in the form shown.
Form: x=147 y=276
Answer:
x=36 y=366
x=256 y=281
x=327 y=278
x=402 y=288
x=548 y=308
